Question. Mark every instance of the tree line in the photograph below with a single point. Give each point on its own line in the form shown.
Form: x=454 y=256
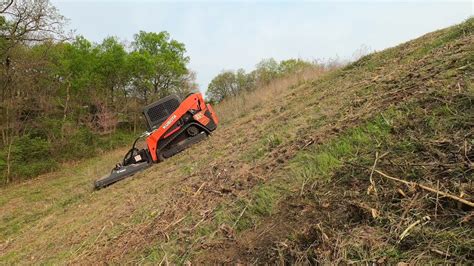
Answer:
x=230 y=83
x=64 y=97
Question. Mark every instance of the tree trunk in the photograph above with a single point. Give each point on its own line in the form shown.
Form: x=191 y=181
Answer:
x=9 y=161
x=66 y=105
x=135 y=119
x=111 y=95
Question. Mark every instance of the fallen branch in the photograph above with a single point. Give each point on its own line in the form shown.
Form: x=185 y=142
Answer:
x=426 y=219
x=199 y=189
x=445 y=254
x=469 y=203
x=372 y=186
x=174 y=223
x=164 y=260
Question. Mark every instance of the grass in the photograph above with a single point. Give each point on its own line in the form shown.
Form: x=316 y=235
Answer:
x=320 y=162
x=240 y=107
x=391 y=131
x=24 y=208
x=247 y=213
x=34 y=156
x=263 y=147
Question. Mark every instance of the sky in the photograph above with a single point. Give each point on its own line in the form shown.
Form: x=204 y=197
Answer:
x=227 y=35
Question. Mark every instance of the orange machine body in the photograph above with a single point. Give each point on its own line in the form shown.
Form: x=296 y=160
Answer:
x=195 y=105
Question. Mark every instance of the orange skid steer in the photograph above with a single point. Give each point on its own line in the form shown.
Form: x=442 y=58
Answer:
x=173 y=125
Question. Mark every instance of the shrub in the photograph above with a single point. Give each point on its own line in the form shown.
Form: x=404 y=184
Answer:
x=29 y=156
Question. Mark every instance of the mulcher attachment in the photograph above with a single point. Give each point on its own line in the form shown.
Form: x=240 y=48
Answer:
x=173 y=126
x=120 y=173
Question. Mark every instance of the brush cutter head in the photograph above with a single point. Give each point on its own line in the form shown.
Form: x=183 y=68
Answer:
x=120 y=173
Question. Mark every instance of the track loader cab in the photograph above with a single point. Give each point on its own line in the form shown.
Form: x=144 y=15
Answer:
x=157 y=112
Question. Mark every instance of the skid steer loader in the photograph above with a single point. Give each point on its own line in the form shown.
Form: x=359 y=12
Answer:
x=172 y=126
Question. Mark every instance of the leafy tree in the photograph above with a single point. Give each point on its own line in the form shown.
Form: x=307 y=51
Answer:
x=222 y=86
x=111 y=65
x=245 y=82
x=266 y=71
x=141 y=68
x=168 y=59
x=24 y=21
x=291 y=66
x=76 y=66
x=229 y=83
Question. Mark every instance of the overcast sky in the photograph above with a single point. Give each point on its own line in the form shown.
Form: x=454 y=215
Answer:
x=230 y=35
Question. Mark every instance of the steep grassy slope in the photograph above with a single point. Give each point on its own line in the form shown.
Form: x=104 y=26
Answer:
x=289 y=176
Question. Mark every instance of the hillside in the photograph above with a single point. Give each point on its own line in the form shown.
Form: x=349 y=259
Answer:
x=293 y=174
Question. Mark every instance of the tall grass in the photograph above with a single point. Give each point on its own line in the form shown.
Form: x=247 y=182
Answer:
x=231 y=108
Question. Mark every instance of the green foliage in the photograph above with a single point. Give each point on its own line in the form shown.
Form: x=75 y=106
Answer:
x=79 y=145
x=230 y=83
x=33 y=155
x=27 y=156
x=166 y=61
x=292 y=66
x=111 y=65
x=267 y=70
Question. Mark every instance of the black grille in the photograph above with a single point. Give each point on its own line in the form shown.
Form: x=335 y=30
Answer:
x=157 y=112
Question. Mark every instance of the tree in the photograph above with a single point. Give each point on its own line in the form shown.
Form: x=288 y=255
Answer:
x=59 y=94
x=188 y=85
x=22 y=23
x=266 y=71
x=27 y=21
x=292 y=66
x=231 y=83
x=111 y=66
x=142 y=70
x=168 y=59
x=222 y=86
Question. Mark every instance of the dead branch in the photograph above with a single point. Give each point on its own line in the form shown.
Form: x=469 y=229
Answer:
x=445 y=254
x=8 y=4
x=407 y=209
x=425 y=219
x=199 y=189
x=372 y=186
x=469 y=203
x=174 y=223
